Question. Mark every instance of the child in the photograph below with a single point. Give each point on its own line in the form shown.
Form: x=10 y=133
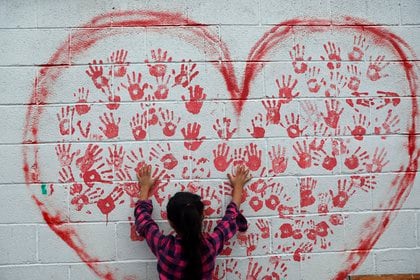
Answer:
x=190 y=254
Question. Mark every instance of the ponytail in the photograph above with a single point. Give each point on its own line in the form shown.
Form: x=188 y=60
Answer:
x=185 y=212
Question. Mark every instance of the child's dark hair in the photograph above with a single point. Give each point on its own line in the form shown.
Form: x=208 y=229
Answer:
x=185 y=212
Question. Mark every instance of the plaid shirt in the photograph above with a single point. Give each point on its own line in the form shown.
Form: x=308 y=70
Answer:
x=168 y=248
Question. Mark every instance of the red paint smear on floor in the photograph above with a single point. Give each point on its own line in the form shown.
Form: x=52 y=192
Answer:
x=98 y=29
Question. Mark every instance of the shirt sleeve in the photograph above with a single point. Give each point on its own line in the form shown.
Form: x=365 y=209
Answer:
x=226 y=228
x=146 y=226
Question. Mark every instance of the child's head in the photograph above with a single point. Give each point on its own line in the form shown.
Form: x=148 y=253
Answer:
x=185 y=213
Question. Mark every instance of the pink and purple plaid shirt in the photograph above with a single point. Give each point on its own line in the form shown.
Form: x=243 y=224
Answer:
x=168 y=250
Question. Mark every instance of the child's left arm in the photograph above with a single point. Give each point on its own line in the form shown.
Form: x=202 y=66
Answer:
x=145 y=225
x=146 y=181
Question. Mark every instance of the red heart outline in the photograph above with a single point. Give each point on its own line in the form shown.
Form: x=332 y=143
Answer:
x=95 y=31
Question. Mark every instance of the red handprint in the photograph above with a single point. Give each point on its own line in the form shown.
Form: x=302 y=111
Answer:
x=89 y=196
x=278 y=159
x=196 y=99
x=299 y=254
x=286 y=89
x=185 y=75
x=354 y=80
x=254 y=270
x=389 y=125
x=357 y=158
x=256 y=203
x=251 y=243
x=65 y=157
x=388 y=98
x=138 y=125
x=158 y=67
x=232 y=267
x=264 y=227
x=333 y=112
x=273 y=111
x=364 y=183
x=252 y=157
x=66 y=175
x=324 y=202
x=137 y=160
x=360 y=126
x=375 y=68
x=257 y=130
x=221 y=157
x=116 y=157
x=343 y=193
x=91 y=156
x=169 y=122
x=337 y=82
x=134 y=87
x=303 y=152
x=162 y=89
x=96 y=175
x=298 y=58
x=190 y=134
x=118 y=59
x=107 y=204
x=292 y=126
x=81 y=105
x=359 y=48
x=307 y=185
x=222 y=128
x=65 y=120
x=211 y=201
x=328 y=162
x=110 y=129
x=333 y=55
x=96 y=73
x=313 y=115
x=84 y=131
x=378 y=161
x=314 y=82
x=164 y=155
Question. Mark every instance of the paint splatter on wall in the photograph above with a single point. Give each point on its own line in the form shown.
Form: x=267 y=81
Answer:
x=324 y=116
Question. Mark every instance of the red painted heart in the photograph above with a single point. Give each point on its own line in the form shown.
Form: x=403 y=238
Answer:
x=330 y=108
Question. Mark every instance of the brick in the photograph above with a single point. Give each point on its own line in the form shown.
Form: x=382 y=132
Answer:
x=108 y=41
x=409 y=11
x=119 y=270
x=53 y=272
x=418 y=228
x=12 y=154
x=93 y=244
x=377 y=12
x=71 y=14
x=12 y=124
x=128 y=249
x=18 y=14
x=392 y=237
x=172 y=6
x=16 y=84
x=281 y=266
x=397 y=261
x=18 y=244
x=220 y=12
x=20 y=46
x=26 y=210
x=273 y=12
x=240 y=39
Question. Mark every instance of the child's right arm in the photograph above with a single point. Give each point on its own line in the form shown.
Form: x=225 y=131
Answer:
x=238 y=182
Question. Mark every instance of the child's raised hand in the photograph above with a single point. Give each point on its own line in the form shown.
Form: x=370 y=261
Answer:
x=146 y=181
x=238 y=181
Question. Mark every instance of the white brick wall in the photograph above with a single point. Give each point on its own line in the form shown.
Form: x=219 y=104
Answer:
x=306 y=222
